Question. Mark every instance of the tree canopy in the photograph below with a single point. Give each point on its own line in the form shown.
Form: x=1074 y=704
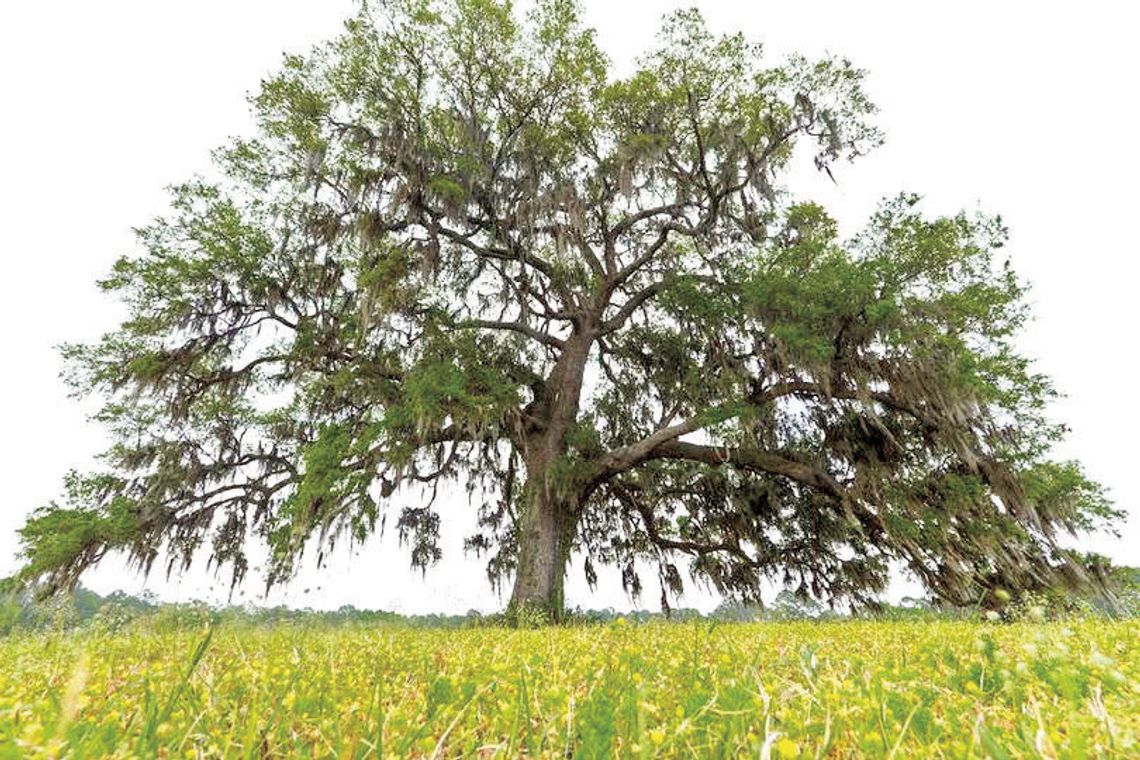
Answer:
x=460 y=249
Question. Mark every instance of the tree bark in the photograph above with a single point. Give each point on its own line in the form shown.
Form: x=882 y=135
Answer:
x=546 y=528
x=545 y=537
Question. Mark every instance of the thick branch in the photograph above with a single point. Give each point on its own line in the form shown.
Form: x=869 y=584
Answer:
x=803 y=473
x=622 y=459
x=748 y=459
x=518 y=327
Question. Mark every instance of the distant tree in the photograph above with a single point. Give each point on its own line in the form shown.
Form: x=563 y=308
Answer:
x=731 y=610
x=791 y=606
x=459 y=249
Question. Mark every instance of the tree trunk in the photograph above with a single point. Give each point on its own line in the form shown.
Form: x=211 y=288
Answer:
x=546 y=529
x=545 y=536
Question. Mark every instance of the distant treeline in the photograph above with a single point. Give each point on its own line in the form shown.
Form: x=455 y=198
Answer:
x=85 y=608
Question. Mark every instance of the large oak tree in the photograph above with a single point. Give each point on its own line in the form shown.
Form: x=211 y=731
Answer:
x=460 y=249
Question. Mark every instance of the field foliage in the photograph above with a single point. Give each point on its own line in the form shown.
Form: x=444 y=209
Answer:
x=157 y=687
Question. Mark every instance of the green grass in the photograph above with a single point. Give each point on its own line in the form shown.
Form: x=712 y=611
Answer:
x=842 y=689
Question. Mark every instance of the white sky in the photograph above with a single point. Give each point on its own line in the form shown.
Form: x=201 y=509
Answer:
x=1025 y=109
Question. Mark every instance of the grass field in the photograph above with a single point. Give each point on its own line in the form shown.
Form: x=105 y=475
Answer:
x=778 y=690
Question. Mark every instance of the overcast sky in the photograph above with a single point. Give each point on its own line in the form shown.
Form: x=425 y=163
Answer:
x=1028 y=110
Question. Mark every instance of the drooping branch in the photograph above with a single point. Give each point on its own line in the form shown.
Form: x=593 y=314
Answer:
x=632 y=501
